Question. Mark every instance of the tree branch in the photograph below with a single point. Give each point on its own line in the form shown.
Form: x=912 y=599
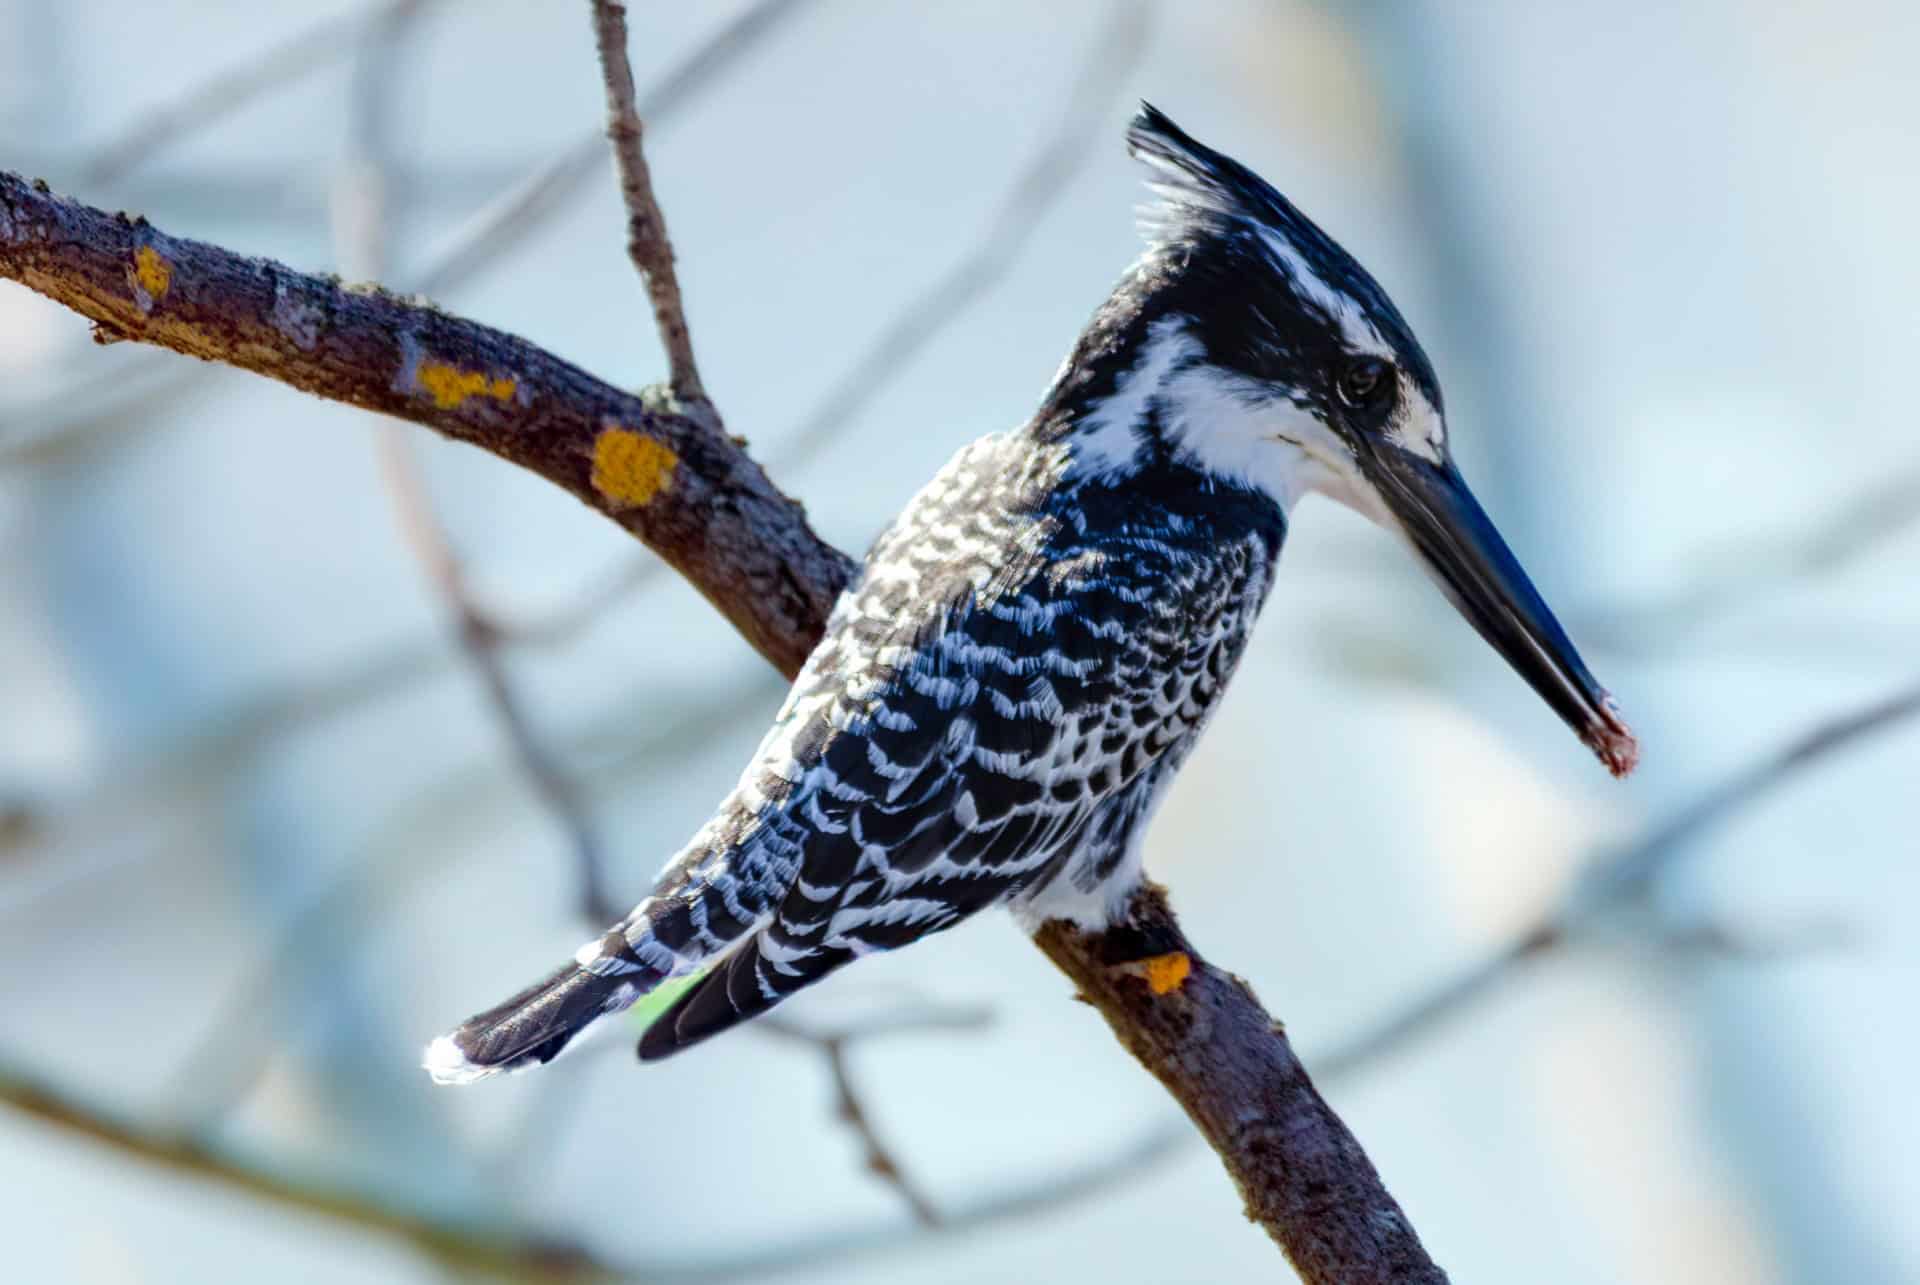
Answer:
x=686 y=492
x=534 y=199
x=647 y=243
x=1204 y=1036
x=693 y=496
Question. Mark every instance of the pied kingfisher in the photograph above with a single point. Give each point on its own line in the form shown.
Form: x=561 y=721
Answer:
x=1032 y=648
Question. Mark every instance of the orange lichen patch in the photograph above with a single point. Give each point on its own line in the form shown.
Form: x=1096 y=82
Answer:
x=631 y=468
x=449 y=386
x=153 y=273
x=1166 y=972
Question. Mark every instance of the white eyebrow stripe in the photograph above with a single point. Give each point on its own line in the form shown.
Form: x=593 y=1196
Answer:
x=1346 y=312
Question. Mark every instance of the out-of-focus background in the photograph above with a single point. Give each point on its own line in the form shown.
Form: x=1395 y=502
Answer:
x=261 y=835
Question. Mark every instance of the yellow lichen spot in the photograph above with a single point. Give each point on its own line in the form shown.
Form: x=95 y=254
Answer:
x=153 y=273
x=631 y=468
x=1166 y=972
x=449 y=385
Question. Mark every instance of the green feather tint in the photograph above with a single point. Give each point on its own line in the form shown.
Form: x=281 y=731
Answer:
x=660 y=999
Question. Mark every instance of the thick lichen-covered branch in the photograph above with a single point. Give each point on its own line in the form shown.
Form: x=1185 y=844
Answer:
x=687 y=493
x=696 y=498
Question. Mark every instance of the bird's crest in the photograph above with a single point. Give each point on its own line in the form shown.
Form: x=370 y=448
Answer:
x=1209 y=197
x=1195 y=184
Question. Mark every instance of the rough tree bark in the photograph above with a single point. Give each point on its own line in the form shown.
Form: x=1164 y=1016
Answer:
x=696 y=498
x=693 y=497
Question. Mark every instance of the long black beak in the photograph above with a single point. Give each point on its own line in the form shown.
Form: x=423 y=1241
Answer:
x=1481 y=577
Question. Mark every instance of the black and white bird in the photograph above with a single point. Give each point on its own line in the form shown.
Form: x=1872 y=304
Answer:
x=1032 y=648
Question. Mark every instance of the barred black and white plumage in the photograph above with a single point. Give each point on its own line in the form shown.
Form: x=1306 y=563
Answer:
x=1002 y=697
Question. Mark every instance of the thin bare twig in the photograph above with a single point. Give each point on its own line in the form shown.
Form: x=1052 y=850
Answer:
x=651 y=250
x=647 y=243
x=995 y=249
x=508 y=219
x=880 y=1159
x=1624 y=878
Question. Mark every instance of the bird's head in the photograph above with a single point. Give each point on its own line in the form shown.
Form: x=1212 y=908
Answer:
x=1247 y=346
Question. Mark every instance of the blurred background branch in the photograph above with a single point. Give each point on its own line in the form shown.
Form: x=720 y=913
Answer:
x=365 y=184
x=277 y=68
x=479 y=1243
x=1761 y=567
x=1107 y=65
x=834 y=1047
x=1622 y=881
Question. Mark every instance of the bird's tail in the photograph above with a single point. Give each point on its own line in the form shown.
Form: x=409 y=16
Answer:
x=535 y=1025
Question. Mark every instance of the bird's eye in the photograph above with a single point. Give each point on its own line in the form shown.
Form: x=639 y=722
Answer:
x=1367 y=384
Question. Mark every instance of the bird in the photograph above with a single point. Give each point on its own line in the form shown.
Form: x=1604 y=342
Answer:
x=1031 y=649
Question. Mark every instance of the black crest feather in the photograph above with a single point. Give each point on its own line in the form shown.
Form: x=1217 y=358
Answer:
x=1199 y=185
x=1192 y=178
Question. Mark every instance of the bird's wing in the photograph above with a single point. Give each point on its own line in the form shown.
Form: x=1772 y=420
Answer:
x=954 y=755
x=996 y=680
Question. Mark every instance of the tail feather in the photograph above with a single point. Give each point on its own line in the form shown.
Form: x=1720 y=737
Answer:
x=739 y=989
x=664 y=936
x=535 y=1025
